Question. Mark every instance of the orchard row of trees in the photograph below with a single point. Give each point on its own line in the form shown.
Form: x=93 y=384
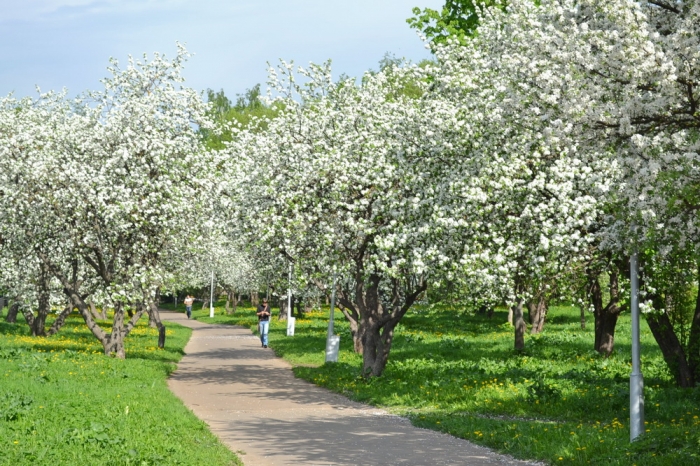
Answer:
x=544 y=144
x=541 y=148
x=105 y=200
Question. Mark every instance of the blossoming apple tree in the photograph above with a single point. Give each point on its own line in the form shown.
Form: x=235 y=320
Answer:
x=334 y=185
x=111 y=188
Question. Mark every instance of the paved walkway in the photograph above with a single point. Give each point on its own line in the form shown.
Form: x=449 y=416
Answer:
x=255 y=405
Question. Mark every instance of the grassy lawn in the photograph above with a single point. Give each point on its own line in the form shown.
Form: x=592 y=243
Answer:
x=62 y=402
x=559 y=401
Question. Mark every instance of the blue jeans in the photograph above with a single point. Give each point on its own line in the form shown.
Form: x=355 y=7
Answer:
x=264 y=328
x=188 y=309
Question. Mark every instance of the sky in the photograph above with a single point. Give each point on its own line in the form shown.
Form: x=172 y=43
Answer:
x=56 y=44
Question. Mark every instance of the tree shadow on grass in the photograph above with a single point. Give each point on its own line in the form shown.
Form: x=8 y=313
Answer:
x=19 y=328
x=75 y=336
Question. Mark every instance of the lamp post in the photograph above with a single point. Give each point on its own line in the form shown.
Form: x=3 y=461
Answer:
x=332 y=341
x=636 y=378
x=290 y=319
x=211 y=297
x=331 y=319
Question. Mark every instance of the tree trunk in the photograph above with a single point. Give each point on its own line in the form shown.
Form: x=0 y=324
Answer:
x=520 y=325
x=283 y=308
x=38 y=324
x=376 y=347
x=299 y=308
x=154 y=316
x=605 y=326
x=605 y=318
x=60 y=320
x=12 y=313
x=538 y=313
x=694 y=339
x=583 y=318
x=93 y=309
x=374 y=325
x=671 y=348
x=205 y=298
x=356 y=331
x=254 y=299
x=29 y=319
x=151 y=322
x=510 y=315
x=114 y=342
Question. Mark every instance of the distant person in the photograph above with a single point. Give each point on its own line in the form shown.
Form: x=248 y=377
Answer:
x=263 y=321
x=189 y=300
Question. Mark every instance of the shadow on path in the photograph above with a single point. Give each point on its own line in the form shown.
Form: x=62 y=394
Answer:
x=253 y=402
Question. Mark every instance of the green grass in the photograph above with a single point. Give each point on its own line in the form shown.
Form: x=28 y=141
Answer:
x=559 y=401
x=62 y=402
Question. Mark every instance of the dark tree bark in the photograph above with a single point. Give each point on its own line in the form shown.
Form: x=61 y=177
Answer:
x=114 y=342
x=583 y=318
x=671 y=348
x=29 y=319
x=37 y=324
x=93 y=309
x=299 y=308
x=283 y=308
x=605 y=317
x=60 y=320
x=230 y=307
x=205 y=298
x=520 y=326
x=694 y=339
x=538 y=308
x=372 y=323
x=12 y=313
x=353 y=319
x=154 y=316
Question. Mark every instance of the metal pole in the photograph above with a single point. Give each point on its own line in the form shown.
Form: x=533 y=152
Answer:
x=290 y=319
x=289 y=295
x=636 y=378
x=211 y=297
x=331 y=320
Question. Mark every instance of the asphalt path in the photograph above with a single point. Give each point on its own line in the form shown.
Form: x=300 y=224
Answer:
x=251 y=400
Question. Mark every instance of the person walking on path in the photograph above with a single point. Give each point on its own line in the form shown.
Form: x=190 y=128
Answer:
x=263 y=321
x=253 y=402
x=189 y=300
